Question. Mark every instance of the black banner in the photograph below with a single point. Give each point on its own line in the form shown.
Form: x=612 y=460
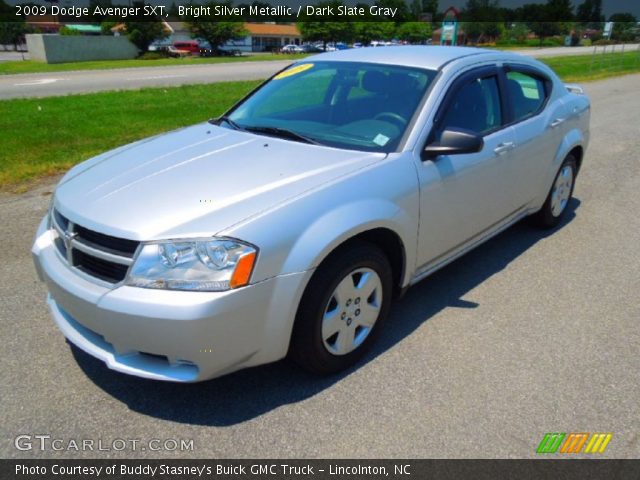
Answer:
x=319 y=469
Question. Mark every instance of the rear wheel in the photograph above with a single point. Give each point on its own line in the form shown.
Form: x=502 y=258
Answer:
x=559 y=196
x=342 y=309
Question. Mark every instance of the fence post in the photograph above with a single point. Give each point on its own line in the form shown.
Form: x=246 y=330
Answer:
x=593 y=57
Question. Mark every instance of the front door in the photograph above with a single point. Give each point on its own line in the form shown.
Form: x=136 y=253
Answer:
x=464 y=195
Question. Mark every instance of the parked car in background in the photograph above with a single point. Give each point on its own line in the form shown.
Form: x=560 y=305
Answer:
x=221 y=52
x=191 y=46
x=287 y=225
x=310 y=48
x=291 y=48
x=172 y=51
x=159 y=46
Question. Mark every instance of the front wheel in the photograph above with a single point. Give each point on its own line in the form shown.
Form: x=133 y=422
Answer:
x=342 y=309
x=559 y=196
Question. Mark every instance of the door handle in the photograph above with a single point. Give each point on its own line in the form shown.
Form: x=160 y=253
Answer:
x=557 y=122
x=503 y=148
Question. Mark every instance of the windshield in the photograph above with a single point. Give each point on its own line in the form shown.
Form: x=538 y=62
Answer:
x=358 y=106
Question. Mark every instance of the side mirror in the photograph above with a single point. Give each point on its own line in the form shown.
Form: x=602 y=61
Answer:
x=454 y=142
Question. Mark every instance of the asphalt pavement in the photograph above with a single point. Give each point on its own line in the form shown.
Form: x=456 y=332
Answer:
x=86 y=81
x=73 y=82
x=533 y=332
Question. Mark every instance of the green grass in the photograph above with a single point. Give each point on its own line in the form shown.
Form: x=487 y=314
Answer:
x=31 y=66
x=40 y=137
x=584 y=68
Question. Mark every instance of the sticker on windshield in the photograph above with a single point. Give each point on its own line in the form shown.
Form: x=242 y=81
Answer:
x=381 y=140
x=294 y=71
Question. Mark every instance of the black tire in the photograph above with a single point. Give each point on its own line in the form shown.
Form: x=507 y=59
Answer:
x=308 y=348
x=546 y=217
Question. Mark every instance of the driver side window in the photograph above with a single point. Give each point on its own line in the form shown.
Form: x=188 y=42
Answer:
x=475 y=107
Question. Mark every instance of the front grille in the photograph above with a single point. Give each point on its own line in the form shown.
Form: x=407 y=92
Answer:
x=102 y=256
x=108 y=271
x=117 y=246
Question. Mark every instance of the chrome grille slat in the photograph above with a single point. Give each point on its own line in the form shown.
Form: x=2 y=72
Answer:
x=101 y=254
x=95 y=254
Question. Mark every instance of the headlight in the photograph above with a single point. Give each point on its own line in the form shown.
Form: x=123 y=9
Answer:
x=212 y=265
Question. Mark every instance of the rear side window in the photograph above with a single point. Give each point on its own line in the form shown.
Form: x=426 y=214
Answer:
x=475 y=107
x=526 y=94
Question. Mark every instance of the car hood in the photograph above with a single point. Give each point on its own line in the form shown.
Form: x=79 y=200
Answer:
x=196 y=181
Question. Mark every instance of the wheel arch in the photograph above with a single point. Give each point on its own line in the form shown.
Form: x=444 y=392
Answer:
x=378 y=222
x=578 y=153
x=389 y=242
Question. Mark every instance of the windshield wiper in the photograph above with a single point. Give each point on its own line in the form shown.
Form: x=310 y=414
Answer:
x=225 y=118
x=283 y=133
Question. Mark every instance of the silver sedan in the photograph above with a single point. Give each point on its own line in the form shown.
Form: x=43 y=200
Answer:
x=288 y=225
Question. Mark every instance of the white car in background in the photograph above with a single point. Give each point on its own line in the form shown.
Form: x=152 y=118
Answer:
x=291 y=48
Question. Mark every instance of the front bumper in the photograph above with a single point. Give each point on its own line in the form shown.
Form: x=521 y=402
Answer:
x=169 y=335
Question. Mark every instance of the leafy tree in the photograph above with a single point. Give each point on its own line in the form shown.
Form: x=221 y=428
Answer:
x=216 y=33
x=69 y=32
x=559 y=10
x=518 y=32
x=416 y=9
x=144 y=31
x=99 y=3
x=625 y=17
x=430 y=6
x=326 y=31
x=106 y=26
x=481 y=11
x=623 y=26
x=402 y=10
x=492 y=30
x=326 y=28
x=545 y=29
x=472 y=30
x=590 y=13
x=414 y=32
x=366 y=32
x=4 y=8
x=142 y=34
x=12 y=33
x=173 y=10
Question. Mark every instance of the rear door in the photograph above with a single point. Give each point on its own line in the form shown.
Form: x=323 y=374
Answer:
x=538 y=124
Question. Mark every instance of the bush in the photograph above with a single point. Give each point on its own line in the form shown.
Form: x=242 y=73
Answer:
x=153 y=56
x=547 y=42
x=603 y=41
x=69 y=31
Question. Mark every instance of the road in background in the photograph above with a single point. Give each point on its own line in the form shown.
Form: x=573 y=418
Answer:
x=64 y=83
x=533 y=332
x=11 y=56
x=84 y=81
x=568 y=51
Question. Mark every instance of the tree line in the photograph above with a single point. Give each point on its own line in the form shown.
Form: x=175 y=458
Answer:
x=479 y=20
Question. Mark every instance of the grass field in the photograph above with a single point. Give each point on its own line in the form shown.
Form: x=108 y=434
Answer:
x=31 y=66
x=584 y=68
x=40 y=137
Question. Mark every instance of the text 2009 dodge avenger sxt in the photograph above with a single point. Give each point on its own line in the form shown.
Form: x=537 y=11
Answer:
x=287 y=225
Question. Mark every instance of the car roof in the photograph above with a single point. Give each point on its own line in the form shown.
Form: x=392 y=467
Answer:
x=429 y=57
